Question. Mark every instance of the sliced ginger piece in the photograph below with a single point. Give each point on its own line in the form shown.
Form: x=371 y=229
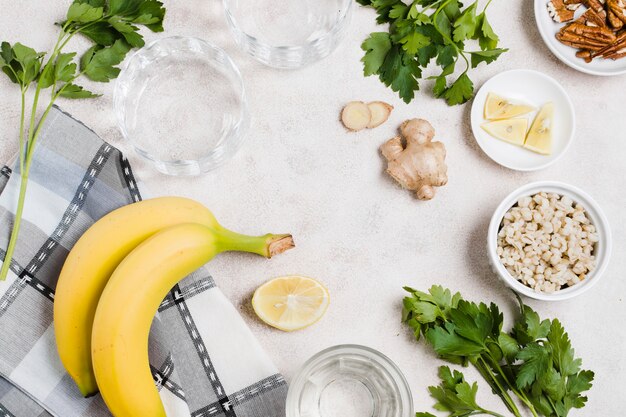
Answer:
x=509 y=130
x=356 y=116
x=497 y=107
x=380 y=112
x=539 y=138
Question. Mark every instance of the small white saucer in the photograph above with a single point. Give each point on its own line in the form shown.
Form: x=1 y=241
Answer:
x=534 y=88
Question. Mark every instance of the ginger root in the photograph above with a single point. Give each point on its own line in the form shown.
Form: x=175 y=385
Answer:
x=357 y=115
x=420 y=164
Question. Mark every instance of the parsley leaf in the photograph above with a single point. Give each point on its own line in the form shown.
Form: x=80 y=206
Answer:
x=455 y=395
x=84 y=13
x=460 y=91
x=487 y=39
x=536 y=360
x=101 y=65
x=579 y=383
x=151 y=13
x=64 y=68
x=562 y=352
x=383 y=9
x=399 y=10
x=447 y=341
x=422 y=310
x=376 y=48
x=465 y=25
x=26 y=63
x=400 y=72
x=93 y=3
x=452 y=9
x=128 y=31
x=76 y=91
x=530 y=327
x=508 y=346
x=446 y=56
x=487 y=56
x=423 y=30
x=414 y=41
x=102 y=33
x=443 y=25
x=426 y=54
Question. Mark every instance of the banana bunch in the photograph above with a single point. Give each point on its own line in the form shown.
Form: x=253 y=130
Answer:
x=132 y=257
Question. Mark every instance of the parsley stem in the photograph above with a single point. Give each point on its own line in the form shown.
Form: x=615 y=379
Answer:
x=44 y=116
x=556 y=412
x=18 y=214
x=467 y=64
x=487 y=5
x=490 y=413
x=485 y=371
x=22 y=151
x=47 y=68
x=447 y=38
x=431 y=6
x=512 y=387
x=27 y=148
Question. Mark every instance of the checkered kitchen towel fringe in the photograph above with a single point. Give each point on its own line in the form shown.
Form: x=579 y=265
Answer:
x=204 y=359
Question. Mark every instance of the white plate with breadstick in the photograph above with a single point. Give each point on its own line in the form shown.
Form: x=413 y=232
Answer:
x=587 y=35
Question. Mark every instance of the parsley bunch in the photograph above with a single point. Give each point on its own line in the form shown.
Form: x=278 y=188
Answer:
x=534 y=361
x=113 y=26
x=422 y=31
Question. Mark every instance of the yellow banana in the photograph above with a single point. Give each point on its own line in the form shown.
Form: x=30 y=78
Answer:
x=139 y=284
x=91 y=262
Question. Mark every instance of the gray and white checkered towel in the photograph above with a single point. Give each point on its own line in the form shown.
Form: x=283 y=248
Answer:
x=204 y=359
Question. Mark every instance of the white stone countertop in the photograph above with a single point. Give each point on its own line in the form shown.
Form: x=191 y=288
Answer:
x=355 y=230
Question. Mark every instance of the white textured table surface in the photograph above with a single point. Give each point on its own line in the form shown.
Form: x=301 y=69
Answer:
x=355 y=230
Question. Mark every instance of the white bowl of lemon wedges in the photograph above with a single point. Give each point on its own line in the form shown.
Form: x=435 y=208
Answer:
x=523 y=120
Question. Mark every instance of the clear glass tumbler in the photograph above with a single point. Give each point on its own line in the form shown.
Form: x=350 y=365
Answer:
x=349 y=381
x=181 y=103
x=288 y=34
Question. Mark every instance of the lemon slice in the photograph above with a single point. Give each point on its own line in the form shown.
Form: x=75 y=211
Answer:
x=508 y=130
x=290 y=303
x=539 y=137
x=497 y=107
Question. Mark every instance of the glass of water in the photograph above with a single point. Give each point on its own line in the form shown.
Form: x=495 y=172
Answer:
x=181 y=104
x=349 y=381
x=288 y=34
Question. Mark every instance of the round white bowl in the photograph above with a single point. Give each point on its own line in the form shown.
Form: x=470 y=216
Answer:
x=594 y=212
x=548 y=29
x=535 y=88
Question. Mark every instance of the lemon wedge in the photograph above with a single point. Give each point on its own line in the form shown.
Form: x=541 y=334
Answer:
x=290 y=303
x=497 y=107
x=510 y=130
x=539 y=137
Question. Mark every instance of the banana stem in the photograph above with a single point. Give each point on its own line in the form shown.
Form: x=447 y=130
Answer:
x=267 y=245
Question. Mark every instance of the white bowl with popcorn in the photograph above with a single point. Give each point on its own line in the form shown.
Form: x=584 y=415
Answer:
x=549 y=241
